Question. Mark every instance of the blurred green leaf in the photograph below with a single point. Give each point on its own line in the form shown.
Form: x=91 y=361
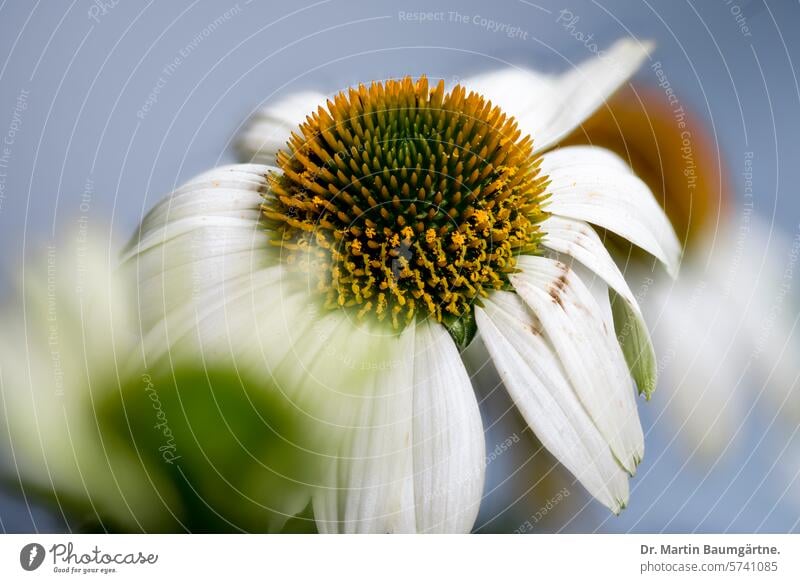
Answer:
x=230 y=454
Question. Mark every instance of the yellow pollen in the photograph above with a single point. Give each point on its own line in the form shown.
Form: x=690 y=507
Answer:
x=481 y=217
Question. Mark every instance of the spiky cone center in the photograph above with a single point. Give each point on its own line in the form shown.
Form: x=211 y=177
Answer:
x=401 y=199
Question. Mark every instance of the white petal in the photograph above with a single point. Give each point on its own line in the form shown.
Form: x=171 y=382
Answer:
x=226 y=196
x=536 y=381
x=414 y=459
x=251 y=320
x=590 y=184
x=514 y=90
x=212 y=291
x=593 y=360
x=580 y=241
x=191 y=243
x=550 y=108
x=449 y=449
x=270 y=129
x=370 y=487
x=572 y=157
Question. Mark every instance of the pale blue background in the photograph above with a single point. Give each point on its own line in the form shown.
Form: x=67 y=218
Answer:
x=87 y=80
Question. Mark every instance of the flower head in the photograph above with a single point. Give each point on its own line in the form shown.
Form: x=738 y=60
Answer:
x=437 y=212
x=403 y=198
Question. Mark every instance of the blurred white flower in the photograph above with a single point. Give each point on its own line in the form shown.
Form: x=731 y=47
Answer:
x=399 y=222
x=65 y=341
x=727 y=333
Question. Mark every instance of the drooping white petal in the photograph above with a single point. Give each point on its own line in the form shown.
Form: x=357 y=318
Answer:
x=512 y=89
x=449 y=456
x=269 y=130
x=580 y=241
x=203 y=236
x=370 y=486
x=251 y=320
x=536 y=380
x=590 y=354
x=550 y=108
x=413 y=461
x=593 y=185
x=225 y=197
x=571 y=157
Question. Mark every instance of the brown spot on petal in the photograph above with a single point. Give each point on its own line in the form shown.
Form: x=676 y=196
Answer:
x=557 y=289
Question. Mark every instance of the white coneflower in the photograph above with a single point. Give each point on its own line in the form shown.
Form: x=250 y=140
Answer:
x=399 y=221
